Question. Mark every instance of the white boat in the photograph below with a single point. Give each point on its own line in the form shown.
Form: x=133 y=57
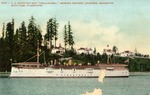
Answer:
x=37 y=70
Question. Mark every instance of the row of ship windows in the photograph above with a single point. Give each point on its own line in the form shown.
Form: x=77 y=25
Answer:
x=67 y=74
x=74 y=75
x=73 y=71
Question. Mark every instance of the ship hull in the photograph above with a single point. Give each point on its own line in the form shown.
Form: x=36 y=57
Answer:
x=64 y=73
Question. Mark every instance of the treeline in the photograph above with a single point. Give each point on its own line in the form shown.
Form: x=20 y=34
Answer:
x=134 y=64
x=21 y=44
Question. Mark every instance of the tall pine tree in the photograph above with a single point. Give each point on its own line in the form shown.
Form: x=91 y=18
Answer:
x=23 y=31
x=70 y=36
x=65 y=36
x=10 y=38
x=51 y=31
x=55 y=30
x=33 y=33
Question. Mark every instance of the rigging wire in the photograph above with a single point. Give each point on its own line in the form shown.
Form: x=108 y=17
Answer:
x=33 y=57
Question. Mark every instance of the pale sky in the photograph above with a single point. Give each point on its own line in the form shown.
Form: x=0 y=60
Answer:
x=125 y=23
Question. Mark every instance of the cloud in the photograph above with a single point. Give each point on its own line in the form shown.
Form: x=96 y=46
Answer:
x=95 y=34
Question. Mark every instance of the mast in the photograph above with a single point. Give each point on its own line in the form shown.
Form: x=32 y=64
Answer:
x=44 y=58
x=38 y=51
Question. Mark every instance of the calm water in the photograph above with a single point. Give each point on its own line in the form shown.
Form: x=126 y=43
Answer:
x=134 y=85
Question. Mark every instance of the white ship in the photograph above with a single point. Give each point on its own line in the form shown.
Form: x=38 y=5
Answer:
x=37 y=70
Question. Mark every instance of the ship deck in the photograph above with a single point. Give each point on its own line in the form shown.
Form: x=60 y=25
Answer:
x=34 y=65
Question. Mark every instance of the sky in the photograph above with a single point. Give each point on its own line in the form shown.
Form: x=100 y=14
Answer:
x=122 y=23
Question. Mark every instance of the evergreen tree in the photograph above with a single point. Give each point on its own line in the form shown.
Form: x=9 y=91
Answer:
x=2 y=55
x=23 y=31
x=21 y=43
x=7 y=47
x=39 y=35
x=65 y=36
x=70 y=36
x=31 y=31
x=10 y=37
x=17 y=48
x=16 y=36
x=9 y=33
x=50 y=31
x=55 y=30
x=32 y=35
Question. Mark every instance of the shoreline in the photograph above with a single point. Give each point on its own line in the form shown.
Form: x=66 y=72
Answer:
x=4 y=74
x=139 y=73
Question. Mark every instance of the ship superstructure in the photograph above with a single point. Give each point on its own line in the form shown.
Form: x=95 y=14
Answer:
x=34 y=69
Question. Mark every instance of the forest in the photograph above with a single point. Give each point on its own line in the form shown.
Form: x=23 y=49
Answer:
x=20 y=44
